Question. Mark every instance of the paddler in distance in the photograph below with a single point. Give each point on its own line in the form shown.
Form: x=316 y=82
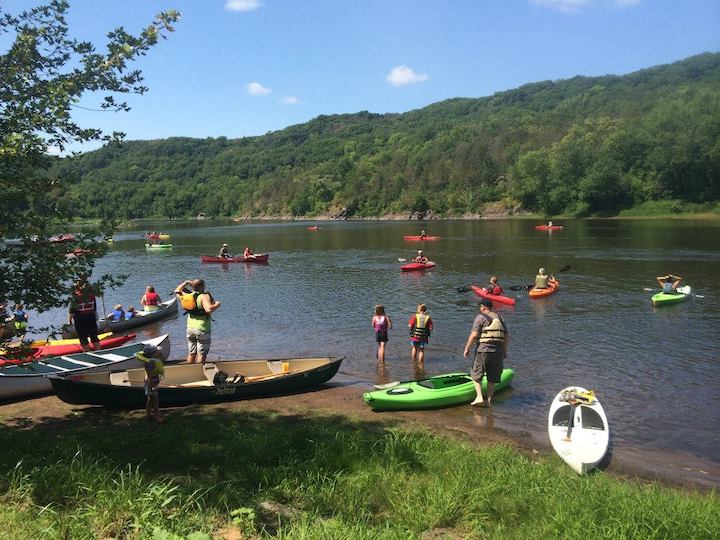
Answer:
x=669 y=283
x=420 y=257
x=224 y=252
x=493 y=287
x=542 y=280
x=423 y=234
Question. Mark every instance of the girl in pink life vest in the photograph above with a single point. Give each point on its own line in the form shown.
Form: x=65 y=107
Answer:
x=381 y=324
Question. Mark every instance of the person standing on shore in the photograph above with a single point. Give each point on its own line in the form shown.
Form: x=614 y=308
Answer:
x=198 y=305
x=154 y=370
x=381 y=324
x=491 y=336
x=83 y=314
x=420 y=325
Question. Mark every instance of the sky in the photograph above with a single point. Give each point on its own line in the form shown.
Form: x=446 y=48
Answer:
x=239 y=68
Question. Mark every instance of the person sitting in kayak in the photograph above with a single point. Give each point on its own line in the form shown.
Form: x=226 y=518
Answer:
x=423 y=234
x=117 y=314
x=420 y=257
x=669 y=283
x=493 y=287
x=224 y=252
x=150 y=300
x=248 y=253
x=542 y=280
x=549 y=224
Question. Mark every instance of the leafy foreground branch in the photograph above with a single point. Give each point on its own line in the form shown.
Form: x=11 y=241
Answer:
x=206 y=474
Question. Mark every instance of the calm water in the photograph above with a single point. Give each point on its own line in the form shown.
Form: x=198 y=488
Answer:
x=656 y=371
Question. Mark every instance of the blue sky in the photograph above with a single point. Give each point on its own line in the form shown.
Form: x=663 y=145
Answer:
x=246 y=67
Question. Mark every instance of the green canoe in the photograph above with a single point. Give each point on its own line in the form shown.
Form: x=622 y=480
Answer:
x=431 y=393
x=663 y=299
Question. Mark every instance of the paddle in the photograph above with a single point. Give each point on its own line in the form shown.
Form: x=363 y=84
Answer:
x=396 y=383
x=532 y=286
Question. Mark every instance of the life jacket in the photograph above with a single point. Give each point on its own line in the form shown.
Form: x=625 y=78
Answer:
x=118 y=315
x=189 y=304
x=151 y=298
x=20 y=322
x=84 y=304
x=541 y=282
x=153 y=366
x=380 y=323
x=419 y=329
x=494 y=333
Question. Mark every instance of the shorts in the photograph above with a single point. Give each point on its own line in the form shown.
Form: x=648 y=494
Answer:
x=151 y=386
x=198 y=342
x=418 y=344
x=86 y=327
x=381 y=336
x=487 y=363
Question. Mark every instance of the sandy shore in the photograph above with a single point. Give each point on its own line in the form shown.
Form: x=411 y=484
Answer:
x=479 y=426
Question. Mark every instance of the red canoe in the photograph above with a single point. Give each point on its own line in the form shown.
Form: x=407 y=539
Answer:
x=494 y=297
x=257 y=258
x=552 y=287
x=36 y=353
x=548 y=227
x=420 y=238
x=414 y=267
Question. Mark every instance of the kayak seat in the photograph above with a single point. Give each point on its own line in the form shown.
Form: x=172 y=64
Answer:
x=562 y=416
x=591 y=419
x=427 y=383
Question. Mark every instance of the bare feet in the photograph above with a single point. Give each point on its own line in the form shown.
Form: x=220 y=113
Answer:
x=478 y=403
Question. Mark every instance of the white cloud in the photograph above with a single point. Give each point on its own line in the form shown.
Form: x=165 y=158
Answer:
x=257 y=89
x=242 y=5
x=403 y=75
x=53 y=150
x=290 y=100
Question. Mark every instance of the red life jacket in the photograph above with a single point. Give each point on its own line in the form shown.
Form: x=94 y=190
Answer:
x=151 y=299
x=84 y=303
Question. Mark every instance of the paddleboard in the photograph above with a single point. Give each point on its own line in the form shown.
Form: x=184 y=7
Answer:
x=586 y=443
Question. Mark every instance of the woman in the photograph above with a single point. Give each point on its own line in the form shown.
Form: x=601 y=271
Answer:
x=150 y=300
x=420 y=257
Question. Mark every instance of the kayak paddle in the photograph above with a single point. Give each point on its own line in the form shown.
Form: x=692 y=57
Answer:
x=532 y=286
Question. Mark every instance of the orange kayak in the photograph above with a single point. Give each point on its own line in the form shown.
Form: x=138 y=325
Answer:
x=552 y=287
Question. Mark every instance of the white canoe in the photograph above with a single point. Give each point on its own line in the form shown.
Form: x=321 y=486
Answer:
x=31 y=379
x=585 y=445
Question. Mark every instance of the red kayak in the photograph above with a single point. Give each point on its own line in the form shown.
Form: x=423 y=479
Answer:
x=420 y=238
x=494 y=297
x=414 y=267
x=548 y=227
x=257 y=258
x=36 y=353
x=315 y=228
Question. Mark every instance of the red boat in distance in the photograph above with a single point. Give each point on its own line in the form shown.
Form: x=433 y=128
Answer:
x=417 y=267
x=548 y=227
x=420 y=238
x=261 y=258
x=313 y=228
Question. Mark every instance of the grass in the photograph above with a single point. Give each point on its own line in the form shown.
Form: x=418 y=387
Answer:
x=114 y=475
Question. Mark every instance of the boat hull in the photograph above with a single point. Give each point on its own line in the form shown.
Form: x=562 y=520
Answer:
x=417 y=267
x=420 y=238
x=259 y=258
x=665 y=299
x=494 y=297
x=552 y=288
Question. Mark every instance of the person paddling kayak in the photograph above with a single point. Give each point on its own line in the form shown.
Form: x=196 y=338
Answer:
x=248 y=253
x=669 y=283
x=224 y=252
x=542 y=279
x=420 y=257
x=423 y=234
x=494 y=288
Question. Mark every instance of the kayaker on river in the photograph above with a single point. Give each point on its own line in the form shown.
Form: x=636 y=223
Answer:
x=669 y=283
x=420 y=257
x=420 y=326
x=493 y=287
x=423 y=234
x=542 y=280
x=381 y=323
x=248 y=253
x=224 y=252
x=491 y=336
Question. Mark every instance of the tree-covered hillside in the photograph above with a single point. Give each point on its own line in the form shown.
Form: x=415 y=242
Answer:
x=583 y=146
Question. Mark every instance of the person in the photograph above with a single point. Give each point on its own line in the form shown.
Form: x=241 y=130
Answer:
x=131 y=313
x=542 y=280
x=83 y=314
x=549 y=224
x=117 y=314
x=381 y=323
x=420 y=325
x=423 y=234
x=150 y=300
x=247 y=253
x=154 y=370
x=224 y=252
x=420 y=257
x=669 y=283
x=493 y=287
x=198 y=305
x=491 y=336
x=21 y=320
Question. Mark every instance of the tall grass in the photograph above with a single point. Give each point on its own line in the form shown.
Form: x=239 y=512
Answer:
x=110 y=475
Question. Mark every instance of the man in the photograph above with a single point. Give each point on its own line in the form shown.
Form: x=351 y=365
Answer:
x=490 y=334
x=669 y=283
x=198 y=305
x=542 y=280
x=420 y=257
x=83 y=314
x=224 y=252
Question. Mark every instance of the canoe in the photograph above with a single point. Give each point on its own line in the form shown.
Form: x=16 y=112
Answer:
x=32 y=379
x=664 y=299
x=548 y=227
x=432 y=393
x=30 y=354
x=420 y=238
x=552 y=288
x=143 y=318
x=257 y=258
x=589 y=438
x=188 y=384
x=414 y=267
x=158 y=246
x=494 y=297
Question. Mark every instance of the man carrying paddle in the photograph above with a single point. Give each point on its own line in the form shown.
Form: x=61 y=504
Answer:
x=491 y=335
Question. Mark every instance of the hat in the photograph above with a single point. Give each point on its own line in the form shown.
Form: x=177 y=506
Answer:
x=541 y=271
x=224 y=245
x=118 y=306
x=487 y=303
x=419 y=251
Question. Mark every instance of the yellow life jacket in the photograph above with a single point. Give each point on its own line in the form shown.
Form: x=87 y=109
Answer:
x=153 y=366
x=419 y=329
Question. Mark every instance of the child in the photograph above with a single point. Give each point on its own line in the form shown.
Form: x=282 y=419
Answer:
x=117 y=315
x=21 y=320
x=154 y=369
x=131 y=313
x=381 y=323
x=420 y=326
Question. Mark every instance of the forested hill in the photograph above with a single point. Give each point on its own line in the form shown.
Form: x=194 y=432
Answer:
x=582 y=146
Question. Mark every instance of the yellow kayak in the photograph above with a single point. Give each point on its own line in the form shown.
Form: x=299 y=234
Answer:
x=51 y=342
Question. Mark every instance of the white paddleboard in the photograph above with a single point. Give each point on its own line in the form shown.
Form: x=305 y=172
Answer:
x=586 y=443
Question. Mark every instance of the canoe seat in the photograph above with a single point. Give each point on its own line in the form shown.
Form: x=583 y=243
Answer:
x=120 y=378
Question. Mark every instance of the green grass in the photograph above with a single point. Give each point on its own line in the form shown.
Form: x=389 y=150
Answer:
x=114 y=475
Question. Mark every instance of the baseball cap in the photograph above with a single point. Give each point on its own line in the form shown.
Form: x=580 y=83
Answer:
x=487 y=303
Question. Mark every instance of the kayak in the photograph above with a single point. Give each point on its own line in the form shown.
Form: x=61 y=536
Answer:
x=552 y=288
x=420 y=238
x=664 y=299
x=431 y=393
x=158 y=246
x=548 y=227
x=158 y=236
x=47 y=343
x=585 y=444
x=36 y=353
x=415 y=267
x=314 y=228
x=257 y=258
x=494 y=297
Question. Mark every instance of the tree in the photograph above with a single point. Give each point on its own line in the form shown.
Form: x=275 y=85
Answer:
x=43 y=74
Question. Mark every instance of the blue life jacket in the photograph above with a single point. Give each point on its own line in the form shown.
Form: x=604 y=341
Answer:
x=117 y=315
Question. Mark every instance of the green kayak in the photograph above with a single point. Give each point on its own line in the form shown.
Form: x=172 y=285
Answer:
x=663 y=299
x=431 y=393
x=158 y=246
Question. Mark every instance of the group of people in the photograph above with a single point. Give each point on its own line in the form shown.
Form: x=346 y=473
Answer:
x=225 y=252
x=150 y=301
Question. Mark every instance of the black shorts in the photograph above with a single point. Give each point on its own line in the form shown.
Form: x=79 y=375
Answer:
x=86 y=327
x=487 y=363
x=381 y=336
